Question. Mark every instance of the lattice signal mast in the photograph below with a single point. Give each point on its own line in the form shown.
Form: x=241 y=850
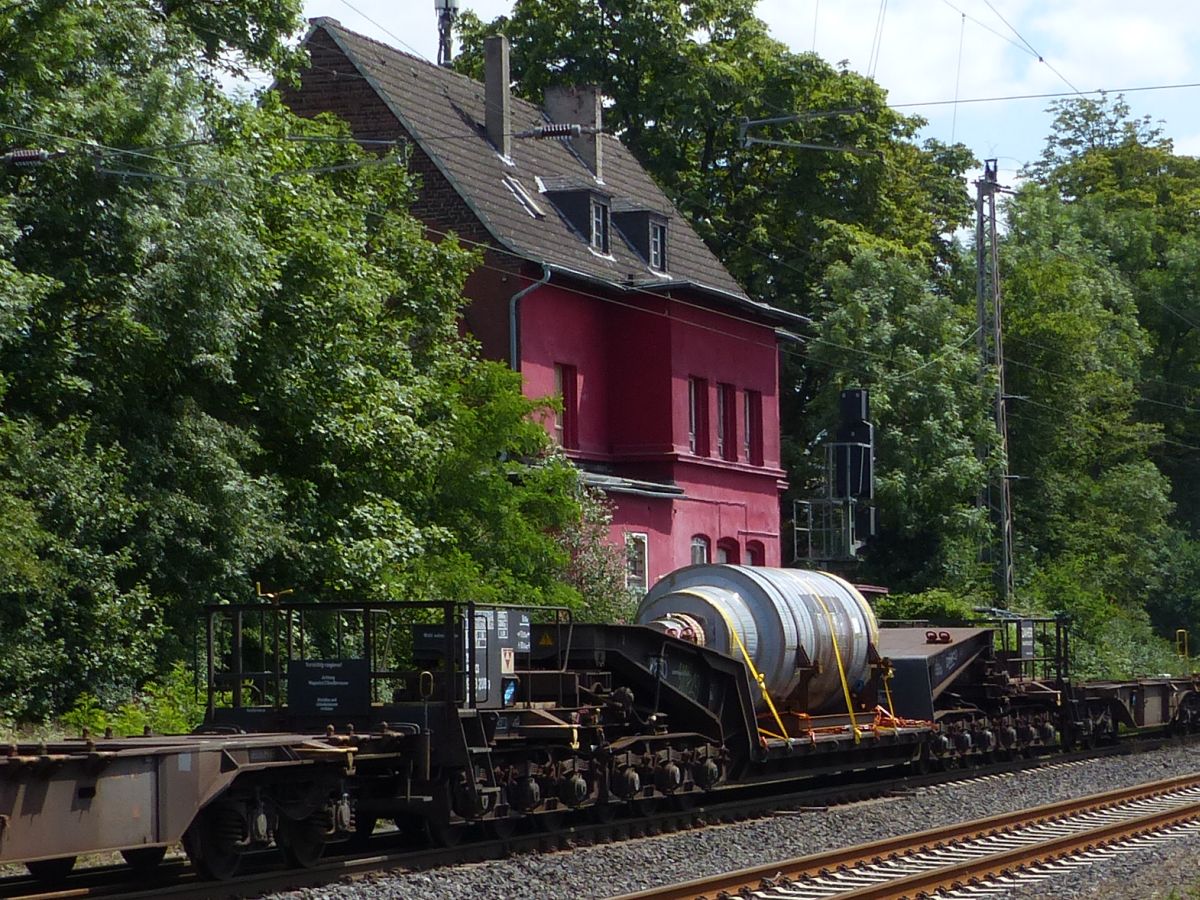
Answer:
x=447 y=11
x=996 y=496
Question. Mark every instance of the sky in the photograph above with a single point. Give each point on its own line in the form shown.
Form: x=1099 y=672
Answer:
x=931 y=52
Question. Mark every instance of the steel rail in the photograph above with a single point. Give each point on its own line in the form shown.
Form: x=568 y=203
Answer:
x=959 y=874
x=744 y=882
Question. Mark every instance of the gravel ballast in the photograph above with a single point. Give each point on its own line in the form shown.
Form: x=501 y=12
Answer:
x=613 y=869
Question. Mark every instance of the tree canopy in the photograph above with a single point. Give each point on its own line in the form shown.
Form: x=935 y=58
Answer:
x=1098 y=269
x=850 y=202
x=228 y=354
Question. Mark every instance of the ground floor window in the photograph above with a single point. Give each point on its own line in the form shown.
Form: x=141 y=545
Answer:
x=727 y=551
x=637 y=558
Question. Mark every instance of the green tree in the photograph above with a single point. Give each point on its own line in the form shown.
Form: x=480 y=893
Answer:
x=1121 y=198
x=787 y=222
x=884 y=327
x=228 y=354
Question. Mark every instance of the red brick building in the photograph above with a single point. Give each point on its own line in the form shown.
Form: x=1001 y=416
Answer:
x=594 y=288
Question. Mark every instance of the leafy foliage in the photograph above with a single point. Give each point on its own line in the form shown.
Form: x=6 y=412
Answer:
x=229 y=355
x=801 y=228
x=169 y=705
x=937 y=606
x=883 y=327
x=1100 y=303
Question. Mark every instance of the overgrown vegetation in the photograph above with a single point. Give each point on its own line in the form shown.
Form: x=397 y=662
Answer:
x=228 y=354
x=1099 y=263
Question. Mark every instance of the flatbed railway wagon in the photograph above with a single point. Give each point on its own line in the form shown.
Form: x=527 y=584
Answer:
x=455 y=719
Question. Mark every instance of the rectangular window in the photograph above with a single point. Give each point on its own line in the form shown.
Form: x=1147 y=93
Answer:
x=699 y=550
x=698 y=416
x=658 y=246
x=726 y=421
x=637 y=560
x=566 y=419
x=600 y=226
x=752 y=437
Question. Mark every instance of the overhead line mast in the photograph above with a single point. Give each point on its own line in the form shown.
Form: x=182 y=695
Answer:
x=996 y=496
x=447 y=12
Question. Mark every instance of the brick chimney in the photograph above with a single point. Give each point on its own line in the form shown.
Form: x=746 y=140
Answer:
x=496 y=82
x=579 y=106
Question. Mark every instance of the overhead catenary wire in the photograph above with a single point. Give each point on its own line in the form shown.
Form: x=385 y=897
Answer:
x=143 y=154
x=958 y=77
x=877 y=40
x=391 y=34
x=989 y=28
x=811 y=339
x=276 y=176
x=1039 y=56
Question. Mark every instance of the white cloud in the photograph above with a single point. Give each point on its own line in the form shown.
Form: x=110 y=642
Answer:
x=1092 y=43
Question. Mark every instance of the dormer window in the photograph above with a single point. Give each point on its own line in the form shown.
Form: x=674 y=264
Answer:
x=599 y=225
x=658 y=246
x=645 y=230
x=586 y=209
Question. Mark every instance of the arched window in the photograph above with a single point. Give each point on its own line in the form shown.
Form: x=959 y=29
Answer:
x=728 y=551
x=699 y=549
x=756 y=554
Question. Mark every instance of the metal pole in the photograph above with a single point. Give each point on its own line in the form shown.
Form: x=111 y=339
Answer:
x=989 y=310
x=237 y=660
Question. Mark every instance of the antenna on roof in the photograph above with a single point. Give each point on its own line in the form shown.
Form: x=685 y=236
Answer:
x=447 y=11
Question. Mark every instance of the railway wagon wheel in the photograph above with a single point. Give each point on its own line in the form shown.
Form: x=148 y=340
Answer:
x=302 y=841
x=51 y=871
x=213 y=841
x=502 y=827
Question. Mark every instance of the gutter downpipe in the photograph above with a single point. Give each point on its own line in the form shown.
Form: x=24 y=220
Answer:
x=514 y=305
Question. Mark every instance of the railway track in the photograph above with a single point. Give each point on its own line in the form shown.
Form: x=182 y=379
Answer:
x=983 y=858
x=263 y=873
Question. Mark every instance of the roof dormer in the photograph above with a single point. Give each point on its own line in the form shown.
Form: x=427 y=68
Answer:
x=587 y=209
x=644 y=229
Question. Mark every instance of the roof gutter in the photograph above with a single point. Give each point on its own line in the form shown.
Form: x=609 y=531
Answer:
x=773 y=313
x=514 y=307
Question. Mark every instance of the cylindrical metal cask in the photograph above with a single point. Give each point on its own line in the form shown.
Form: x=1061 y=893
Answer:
x=775 y=613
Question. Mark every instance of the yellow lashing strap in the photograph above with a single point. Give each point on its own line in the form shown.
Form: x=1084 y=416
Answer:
x=759 y=679
x=837 y=654
x=887 y=690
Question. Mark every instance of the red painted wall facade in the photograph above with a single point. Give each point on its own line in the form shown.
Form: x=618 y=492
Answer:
x=633 y=357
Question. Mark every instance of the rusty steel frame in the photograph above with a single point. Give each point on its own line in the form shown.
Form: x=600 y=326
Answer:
x=89 y=796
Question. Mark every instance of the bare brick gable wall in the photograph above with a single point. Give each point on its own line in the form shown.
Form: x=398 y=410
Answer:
x=332 y=84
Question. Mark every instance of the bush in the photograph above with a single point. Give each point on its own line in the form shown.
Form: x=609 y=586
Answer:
x=938 y=606
x=169 y=705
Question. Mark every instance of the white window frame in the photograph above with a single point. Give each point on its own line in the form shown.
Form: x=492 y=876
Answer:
x=701 y=549
x=721 y=412
x=658 y=246
x=599 y=225
x=634 y=581
x=747 y=423
x=560 y=420
x=693 y=417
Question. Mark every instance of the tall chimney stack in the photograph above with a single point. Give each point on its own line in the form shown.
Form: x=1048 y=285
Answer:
x=580 y=106
x=496 y=81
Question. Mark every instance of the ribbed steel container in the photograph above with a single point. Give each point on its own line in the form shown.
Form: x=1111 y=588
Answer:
x=775 y=612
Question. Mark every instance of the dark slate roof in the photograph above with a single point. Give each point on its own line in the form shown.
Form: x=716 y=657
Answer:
x=444 y=113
